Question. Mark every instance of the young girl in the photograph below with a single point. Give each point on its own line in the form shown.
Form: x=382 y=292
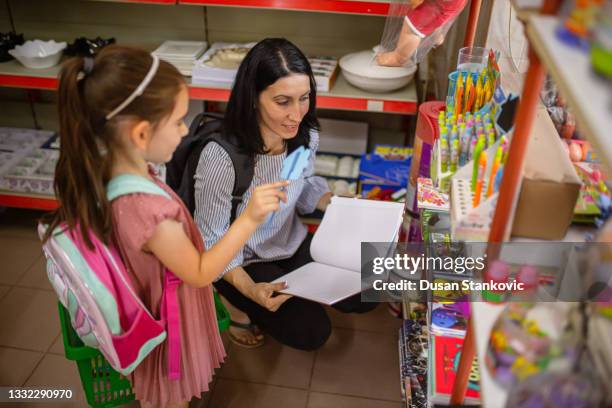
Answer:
x=118 y=112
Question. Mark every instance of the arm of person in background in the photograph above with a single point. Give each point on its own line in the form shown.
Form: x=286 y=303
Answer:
x=214 y=181
x=315 y=194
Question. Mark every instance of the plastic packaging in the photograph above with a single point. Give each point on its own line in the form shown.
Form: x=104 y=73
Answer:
x=414 y=27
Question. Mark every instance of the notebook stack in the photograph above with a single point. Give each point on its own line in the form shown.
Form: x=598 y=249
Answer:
x=181 y=54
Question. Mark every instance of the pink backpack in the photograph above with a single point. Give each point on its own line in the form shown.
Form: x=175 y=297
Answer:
x=95 y=289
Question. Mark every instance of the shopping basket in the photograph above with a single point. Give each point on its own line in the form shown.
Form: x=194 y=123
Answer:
x=103 y=386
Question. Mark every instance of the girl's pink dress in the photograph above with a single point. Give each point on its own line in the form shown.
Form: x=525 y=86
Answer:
x=135 y=217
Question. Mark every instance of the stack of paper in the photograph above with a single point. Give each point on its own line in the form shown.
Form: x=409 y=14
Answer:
x=181 y=54
x=218 y=67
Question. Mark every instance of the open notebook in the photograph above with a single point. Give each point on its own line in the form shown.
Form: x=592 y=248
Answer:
x=336 y=248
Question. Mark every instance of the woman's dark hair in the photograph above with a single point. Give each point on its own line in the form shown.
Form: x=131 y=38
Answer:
x=268 y=61
x=88 y=91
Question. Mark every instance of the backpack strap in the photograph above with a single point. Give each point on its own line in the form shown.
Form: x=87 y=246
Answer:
x=244 y=169
x=125 y=184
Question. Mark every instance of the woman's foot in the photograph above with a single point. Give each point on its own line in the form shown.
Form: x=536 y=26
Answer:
x=242 y=332
x=245 y=335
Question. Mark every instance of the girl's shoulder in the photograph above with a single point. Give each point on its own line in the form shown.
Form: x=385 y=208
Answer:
x=137 y=215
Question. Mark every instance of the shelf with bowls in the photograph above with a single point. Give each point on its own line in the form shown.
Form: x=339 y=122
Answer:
x=343 y=96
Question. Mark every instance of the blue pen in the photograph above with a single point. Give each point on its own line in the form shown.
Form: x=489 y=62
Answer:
x=498 y=179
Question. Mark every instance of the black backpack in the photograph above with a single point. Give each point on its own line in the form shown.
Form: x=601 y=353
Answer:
x=180 y=171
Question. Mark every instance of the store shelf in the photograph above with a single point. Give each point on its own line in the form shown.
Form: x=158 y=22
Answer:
x=343 y=96
x=370 y=7
x=159 y=2
x=588 y=95
x=31 y=201
x=15 y=75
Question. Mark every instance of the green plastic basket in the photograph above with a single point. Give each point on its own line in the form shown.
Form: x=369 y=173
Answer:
x=103 y=386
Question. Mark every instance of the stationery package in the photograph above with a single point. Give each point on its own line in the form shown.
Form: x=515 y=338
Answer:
x=444 y=361
x=385 y=171
x=325 y=70
x=27 y=160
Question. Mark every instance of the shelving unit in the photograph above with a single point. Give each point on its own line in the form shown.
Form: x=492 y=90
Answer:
x=588 y=95
x=370 y=7
x=590 y=100
x=343 y=96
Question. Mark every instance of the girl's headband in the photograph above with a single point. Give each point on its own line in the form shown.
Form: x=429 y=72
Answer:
x=139 y=90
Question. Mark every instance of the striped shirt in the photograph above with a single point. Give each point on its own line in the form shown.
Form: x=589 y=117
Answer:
x=282 y=233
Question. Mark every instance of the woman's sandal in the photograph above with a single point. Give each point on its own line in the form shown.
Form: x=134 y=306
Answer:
x=239 y=341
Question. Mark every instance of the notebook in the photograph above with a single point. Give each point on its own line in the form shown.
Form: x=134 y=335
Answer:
x=335 y=273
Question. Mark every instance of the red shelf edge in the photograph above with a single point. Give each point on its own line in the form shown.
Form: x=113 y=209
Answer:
x=331 y=6
x=222 y=95
x=29 y=82
x=158 y=2
x=33 y=203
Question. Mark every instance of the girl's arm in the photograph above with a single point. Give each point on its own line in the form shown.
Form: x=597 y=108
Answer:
x=170 y=244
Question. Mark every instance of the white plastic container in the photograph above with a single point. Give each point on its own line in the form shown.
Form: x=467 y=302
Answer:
x=39 y=54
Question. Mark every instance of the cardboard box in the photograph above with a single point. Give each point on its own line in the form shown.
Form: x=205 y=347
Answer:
x=550 y=185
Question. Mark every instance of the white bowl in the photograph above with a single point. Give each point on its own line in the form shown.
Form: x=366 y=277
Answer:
x=39 y=54
x=361 y=70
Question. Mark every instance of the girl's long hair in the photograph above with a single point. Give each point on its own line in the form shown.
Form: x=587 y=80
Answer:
x=89 y=142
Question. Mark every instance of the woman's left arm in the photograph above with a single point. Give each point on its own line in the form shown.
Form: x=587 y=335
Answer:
x=315 y=194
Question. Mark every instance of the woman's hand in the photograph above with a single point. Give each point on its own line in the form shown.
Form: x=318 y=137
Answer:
x=261 y=293
x=324 y=201
x=265 y=199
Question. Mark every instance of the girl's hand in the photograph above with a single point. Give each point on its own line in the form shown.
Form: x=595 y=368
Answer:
x=261 y=293
x=265 y=199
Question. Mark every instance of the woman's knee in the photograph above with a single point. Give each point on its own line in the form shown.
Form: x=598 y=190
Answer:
x=306 y=326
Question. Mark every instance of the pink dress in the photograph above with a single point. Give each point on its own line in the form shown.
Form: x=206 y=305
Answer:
x=134 y=220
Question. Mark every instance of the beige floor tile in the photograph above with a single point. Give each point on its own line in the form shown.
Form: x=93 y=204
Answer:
x=4 y=290
x=17 y=365
x=18 y=223
x=36 y=276
x=320 y=400
x=358 y=363
x=29 y=319
x=58 y=346
x=272 y=363
x=238 y=394
x=18 y=255
x=59 y=373
x=378 y=320
x=204 y=401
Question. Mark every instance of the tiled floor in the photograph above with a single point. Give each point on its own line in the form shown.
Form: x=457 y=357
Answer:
x=357 y=368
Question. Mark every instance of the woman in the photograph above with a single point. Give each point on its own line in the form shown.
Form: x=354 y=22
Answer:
x=272 y=109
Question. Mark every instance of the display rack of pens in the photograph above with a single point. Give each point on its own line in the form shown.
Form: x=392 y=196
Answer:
x=461 y=140
x=472 y=92
x=475 y=188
